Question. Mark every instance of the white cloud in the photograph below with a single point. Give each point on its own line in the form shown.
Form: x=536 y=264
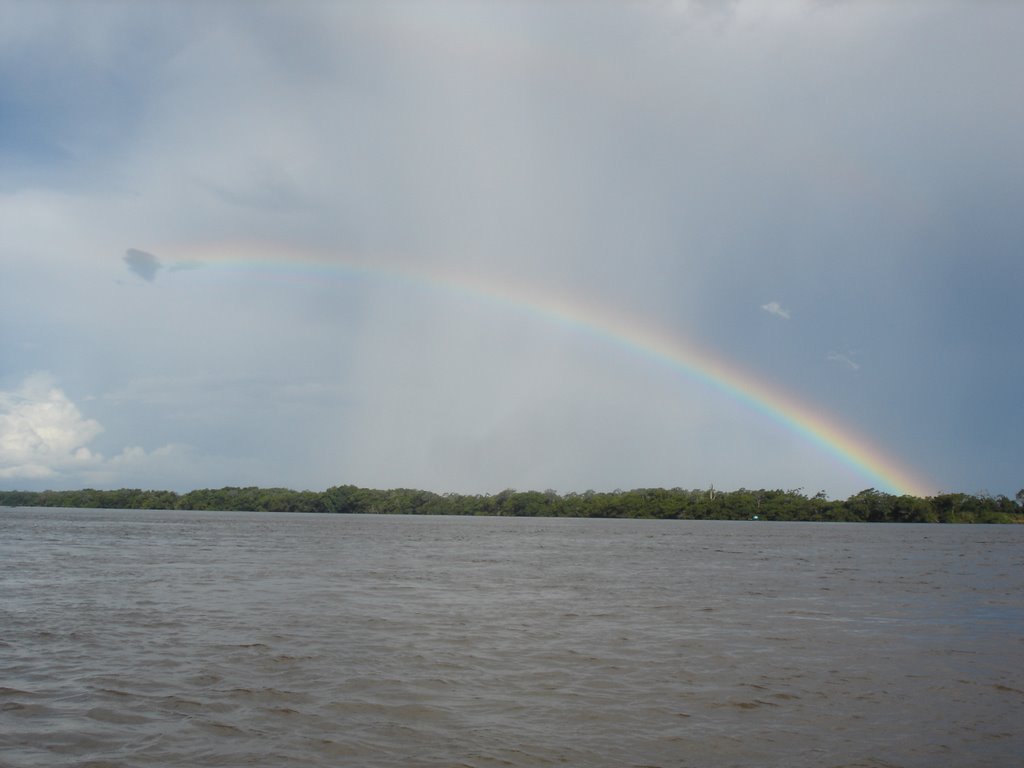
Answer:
x=774 y=308
x=42 y=432
x=44 y=436
x=169 y=466
x=844 y=360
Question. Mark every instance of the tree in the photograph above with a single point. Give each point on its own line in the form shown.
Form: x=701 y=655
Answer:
x=342 y=499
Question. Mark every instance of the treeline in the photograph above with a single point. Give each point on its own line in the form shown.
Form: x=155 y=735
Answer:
x=656 y=503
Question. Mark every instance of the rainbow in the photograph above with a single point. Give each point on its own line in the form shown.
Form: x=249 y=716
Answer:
x=622 y=331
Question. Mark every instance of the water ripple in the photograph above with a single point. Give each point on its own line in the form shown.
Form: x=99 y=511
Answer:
x=136 y=639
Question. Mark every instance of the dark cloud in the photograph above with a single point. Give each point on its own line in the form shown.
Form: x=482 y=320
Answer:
x=853 y=165
x=143 y=264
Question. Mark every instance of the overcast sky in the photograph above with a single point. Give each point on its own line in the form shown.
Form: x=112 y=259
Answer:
x=208 y=212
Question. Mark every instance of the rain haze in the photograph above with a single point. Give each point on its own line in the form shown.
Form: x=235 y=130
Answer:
x=427 y=245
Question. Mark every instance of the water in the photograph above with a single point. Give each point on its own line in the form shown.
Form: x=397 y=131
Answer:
x=236 y=639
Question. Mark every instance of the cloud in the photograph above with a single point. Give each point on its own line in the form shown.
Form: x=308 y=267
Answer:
x=774 y=308
x=503 y=148
x=172 y=466
x=844 y=360
x=44 y=437
x=42 y=432
x=143 y=264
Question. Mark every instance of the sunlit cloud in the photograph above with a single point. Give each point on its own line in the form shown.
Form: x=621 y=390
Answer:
x=44 y=436
x=42 y=432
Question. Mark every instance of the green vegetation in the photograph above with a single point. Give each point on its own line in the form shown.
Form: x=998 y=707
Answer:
x=657 y=503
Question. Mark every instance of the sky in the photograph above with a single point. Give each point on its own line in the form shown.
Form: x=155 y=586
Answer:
x=466 y=247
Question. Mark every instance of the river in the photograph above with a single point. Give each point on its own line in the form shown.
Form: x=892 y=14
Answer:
x=142 y=638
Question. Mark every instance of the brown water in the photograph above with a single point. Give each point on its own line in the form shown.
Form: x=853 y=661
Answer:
x=230 y=639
